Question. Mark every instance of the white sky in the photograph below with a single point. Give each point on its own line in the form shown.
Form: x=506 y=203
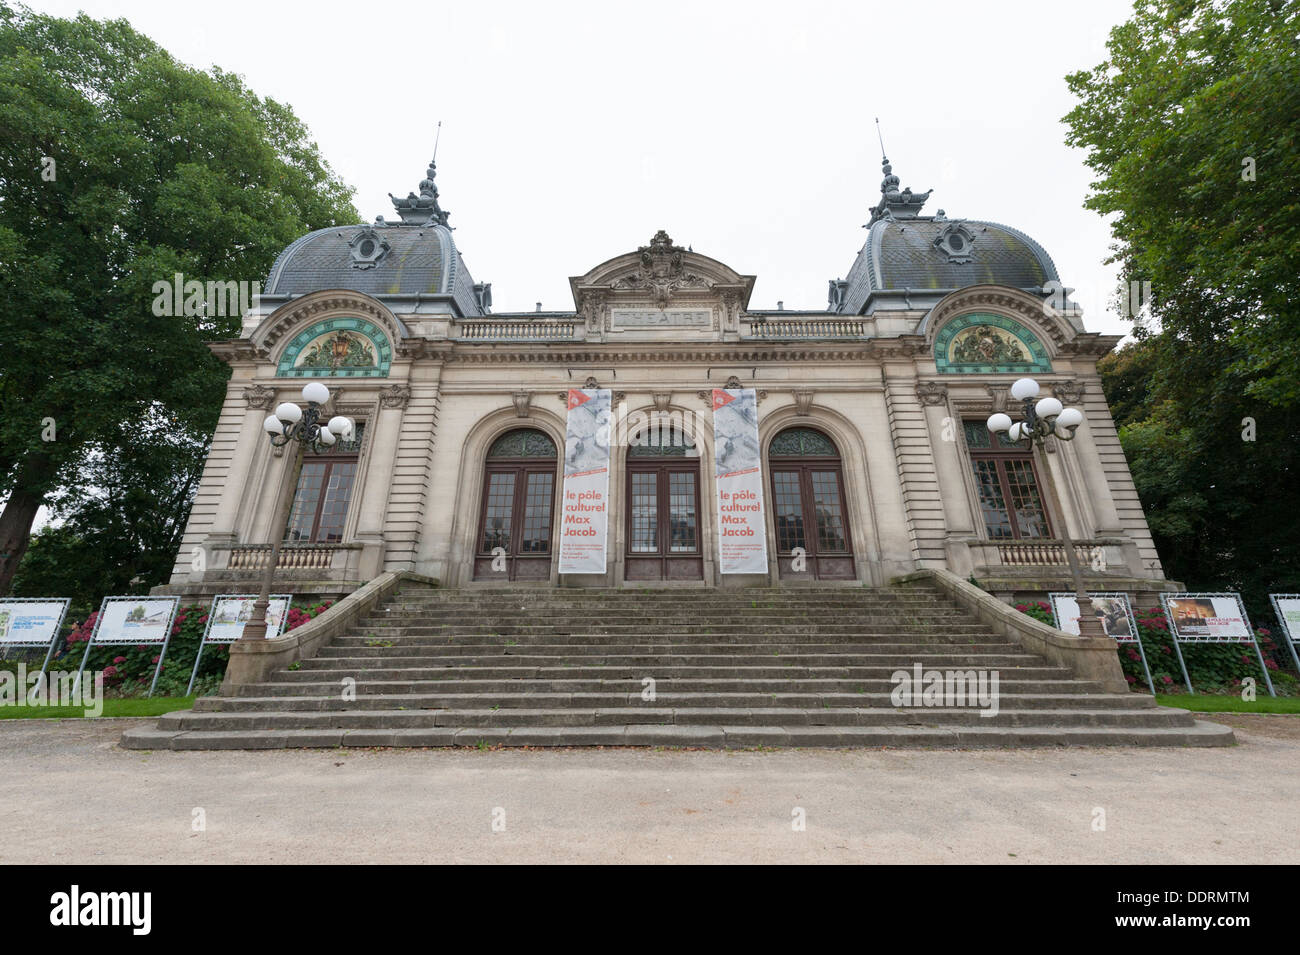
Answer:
x=573 y=131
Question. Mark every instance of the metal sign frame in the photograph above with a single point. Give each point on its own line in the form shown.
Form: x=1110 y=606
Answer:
x=58 y=627
x=1132 y=624
x=99 y=622
x=1165 y=600
x=1290 y=638
x=212 y=612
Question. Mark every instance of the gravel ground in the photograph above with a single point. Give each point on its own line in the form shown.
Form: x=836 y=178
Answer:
x=634 y=805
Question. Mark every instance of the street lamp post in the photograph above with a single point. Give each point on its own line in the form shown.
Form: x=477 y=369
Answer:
x=1044 y=418
x=303 y=428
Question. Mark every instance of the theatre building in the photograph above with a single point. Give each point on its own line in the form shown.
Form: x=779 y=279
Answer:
x=875 y=460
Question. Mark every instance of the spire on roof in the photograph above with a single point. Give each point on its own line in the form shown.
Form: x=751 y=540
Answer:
x=894 y=204
x=424 y=208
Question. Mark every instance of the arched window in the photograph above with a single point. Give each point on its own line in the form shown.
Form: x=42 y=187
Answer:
x=515 y=523
x=812 y=526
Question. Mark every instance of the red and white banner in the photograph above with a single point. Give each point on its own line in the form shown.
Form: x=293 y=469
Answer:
x=584 y=509
x=742 y=534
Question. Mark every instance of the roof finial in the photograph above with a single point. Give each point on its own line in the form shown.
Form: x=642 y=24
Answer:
x=893 y=203
x=424 y=208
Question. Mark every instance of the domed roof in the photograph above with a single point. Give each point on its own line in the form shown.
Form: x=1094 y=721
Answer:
x=908 y=251
x=416 y=256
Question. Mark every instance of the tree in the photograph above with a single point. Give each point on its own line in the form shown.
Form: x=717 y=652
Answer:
x=120 y=168
x=1190 y=126
x=122 y=519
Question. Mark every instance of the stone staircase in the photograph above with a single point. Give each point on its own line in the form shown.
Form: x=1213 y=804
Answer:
x=739 y=669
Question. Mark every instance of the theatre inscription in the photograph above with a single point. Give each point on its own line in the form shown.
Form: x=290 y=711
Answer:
x=660 y=318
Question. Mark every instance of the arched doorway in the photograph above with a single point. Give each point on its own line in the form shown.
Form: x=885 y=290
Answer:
x=663 y=507
x=808 y=507
x=515 y=514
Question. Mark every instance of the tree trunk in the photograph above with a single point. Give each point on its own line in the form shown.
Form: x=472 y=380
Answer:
x=15 y=531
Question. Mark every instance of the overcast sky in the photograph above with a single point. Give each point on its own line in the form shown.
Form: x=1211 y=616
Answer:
x=573 y=131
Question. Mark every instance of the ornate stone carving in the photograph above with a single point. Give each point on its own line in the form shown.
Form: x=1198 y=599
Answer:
x=803 y=400
x=259 y=396
x=1000 y=395
x=932 y=392
x=522 y=400
x=394 y=396
x=662 y=400
x=662 y=271
x=1068 y=392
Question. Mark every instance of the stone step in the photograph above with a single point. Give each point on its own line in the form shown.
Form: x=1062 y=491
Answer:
x=672 y=639
x=442 y=655
x=406 y=719
x=745 y=668
x=375 y=683
x=436 y=697
x=691 y=736
x=664 y=670
x=330 y=701
x=665 y=634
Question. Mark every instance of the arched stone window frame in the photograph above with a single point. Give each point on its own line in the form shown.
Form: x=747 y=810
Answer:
x=459 y=561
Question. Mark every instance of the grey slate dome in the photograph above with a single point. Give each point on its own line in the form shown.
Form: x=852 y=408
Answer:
x=906 y=251
x=414 y=257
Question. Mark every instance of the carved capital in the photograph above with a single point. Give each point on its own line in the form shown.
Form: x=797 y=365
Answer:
x=1000 y=395
x=1068 y=392
x=394 y=396
x=259 y=396
x=932 y=392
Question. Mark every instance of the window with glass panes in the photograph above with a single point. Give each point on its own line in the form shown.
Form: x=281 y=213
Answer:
x=320 y=504
x=1006 y=484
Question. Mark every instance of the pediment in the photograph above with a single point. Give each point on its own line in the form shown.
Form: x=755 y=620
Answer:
x=661 y=276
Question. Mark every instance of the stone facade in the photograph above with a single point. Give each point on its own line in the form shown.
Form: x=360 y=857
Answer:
x=437 y=379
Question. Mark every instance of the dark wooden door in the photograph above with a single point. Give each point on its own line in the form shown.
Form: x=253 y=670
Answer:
x=809 y=512
x=515 y=516
x=663 y=519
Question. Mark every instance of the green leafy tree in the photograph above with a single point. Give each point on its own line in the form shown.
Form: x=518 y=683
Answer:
x=1190 y=125
x=120 y=167
x=121 y=520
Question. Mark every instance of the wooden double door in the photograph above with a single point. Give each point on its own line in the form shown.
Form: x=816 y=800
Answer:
x=662 y=528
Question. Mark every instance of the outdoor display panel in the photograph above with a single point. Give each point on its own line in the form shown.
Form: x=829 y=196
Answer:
x=1287 y=609
x=1210 y=618
x=1116 y=614
x=228 y=616
x=133 y=620
x=32 y=622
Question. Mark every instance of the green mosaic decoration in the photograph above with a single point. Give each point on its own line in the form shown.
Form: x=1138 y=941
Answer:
x=524 y=443
x=337 y=348
x=801 y=443
x=981 y=343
